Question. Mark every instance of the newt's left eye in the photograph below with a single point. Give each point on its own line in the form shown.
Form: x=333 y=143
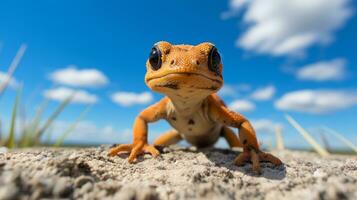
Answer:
x=214 y=59
x=155 y=58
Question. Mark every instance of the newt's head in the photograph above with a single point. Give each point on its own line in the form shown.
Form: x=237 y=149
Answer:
x=184 y=69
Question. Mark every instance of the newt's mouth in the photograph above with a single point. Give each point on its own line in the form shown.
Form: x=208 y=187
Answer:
x=187 y=74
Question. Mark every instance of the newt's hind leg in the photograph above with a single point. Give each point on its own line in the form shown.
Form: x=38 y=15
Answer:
x=168 y=138
x=230 y=137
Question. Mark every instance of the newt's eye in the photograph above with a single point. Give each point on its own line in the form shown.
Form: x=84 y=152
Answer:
x=214 y=59
x=155 y=58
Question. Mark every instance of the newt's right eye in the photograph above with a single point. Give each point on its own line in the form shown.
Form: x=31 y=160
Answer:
x=155 y=58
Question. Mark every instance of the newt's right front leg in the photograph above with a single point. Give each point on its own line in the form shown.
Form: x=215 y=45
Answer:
x=140 y=132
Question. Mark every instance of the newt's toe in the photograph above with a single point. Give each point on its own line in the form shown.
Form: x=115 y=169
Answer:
x=255 y=161
x=267 y=157
x=121 y=148
x=242 y=158
x=152 y=150
x=255 y=157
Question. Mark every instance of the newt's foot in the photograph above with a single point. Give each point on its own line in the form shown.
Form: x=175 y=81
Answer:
x=134 y=150
x=255 y=157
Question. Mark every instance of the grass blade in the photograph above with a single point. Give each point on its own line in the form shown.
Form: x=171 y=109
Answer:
x=23 y=125
x=325 y=141
x=318 y=148
x=279 y=138
x=51 y=119
x=34 y=124
x=15 y=62
x=71 y=128
x=48 y=134
x=11 y=136
x=341 y=138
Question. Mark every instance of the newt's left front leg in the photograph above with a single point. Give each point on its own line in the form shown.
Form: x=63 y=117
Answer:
x=140 y=132
x=247 y=136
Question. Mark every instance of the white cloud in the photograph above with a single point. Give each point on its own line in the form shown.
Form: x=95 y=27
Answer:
x=265 y=126
x=131 y=98
x=12 y=82
x=264 y=93
x=233 y=90
x=317 y=101
x=242 y=106
x=79 y=77
x=323 y=71
x=281 y=27
x=227 y=90
x=63 y=93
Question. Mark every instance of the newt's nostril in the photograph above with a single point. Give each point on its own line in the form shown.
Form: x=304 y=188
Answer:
x=172 y=62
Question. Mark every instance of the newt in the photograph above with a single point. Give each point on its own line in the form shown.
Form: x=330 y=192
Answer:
x=190 y=77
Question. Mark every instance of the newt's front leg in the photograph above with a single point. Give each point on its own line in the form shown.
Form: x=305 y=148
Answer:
x=140 y=132
x=247 y=136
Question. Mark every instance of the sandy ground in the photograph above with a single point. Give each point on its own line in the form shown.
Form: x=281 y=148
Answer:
x=180 y=173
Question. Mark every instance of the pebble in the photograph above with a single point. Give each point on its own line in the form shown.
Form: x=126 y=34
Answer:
x=62 y=188
x=81 y=180
x=9 y=192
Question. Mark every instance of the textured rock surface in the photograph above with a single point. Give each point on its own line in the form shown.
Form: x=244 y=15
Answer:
x=178 y=174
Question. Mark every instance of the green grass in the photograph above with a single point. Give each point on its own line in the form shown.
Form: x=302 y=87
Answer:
x=10 y=142
x=71 y=128
x=31 y=132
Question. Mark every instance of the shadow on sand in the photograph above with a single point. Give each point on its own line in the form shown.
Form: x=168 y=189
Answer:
x=224 y=158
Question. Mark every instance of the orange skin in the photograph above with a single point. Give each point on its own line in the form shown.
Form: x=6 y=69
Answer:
x=192 y=107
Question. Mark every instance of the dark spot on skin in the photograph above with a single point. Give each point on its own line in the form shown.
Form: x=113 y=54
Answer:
x=244 y=141
x=173 y=118
x=189 y=129
x=167 y=51
x=239 y=125
x=236 y=124
x=172 y=62
x=214 y=88
x=190 y=91
x=197 y=62
x=191 y=122
x=224 y=121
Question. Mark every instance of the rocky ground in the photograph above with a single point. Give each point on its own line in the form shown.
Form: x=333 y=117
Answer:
x=180 y=173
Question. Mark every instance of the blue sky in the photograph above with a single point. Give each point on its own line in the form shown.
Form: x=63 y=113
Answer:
x=295 y=57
